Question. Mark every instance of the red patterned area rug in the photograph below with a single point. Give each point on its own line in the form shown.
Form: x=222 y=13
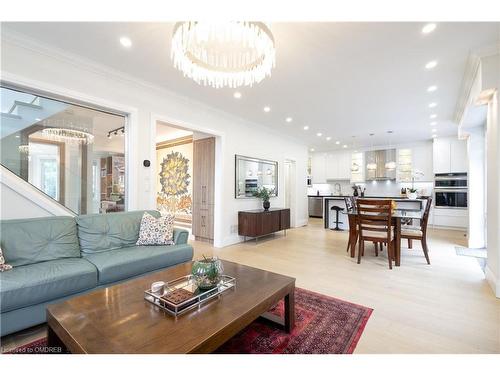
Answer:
x=323 y=325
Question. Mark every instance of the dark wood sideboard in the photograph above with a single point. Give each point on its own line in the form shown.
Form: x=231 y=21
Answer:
x=258 y=223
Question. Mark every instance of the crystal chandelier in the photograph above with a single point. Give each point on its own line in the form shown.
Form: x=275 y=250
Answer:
x=68 y=135
x=230 y=54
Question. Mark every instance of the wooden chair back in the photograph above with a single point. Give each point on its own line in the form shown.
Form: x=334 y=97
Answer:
x=374 y=215
x=425 y=216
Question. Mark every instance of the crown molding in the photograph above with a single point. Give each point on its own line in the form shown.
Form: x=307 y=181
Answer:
x=80 y=62
x=471 y=74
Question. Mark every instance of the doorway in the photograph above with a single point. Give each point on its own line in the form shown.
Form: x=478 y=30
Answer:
x=185 y=178
x=290 y=189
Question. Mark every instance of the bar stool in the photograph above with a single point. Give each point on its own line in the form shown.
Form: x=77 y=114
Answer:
x=337 y=222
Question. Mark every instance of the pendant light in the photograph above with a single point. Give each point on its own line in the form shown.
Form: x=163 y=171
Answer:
x=354 y=165
x=390 y=165
x=371 y=166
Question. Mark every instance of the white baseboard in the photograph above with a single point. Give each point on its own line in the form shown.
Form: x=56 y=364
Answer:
x=301 y=223
x=493 y=281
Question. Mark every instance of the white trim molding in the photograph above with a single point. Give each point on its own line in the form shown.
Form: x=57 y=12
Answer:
x=220 y=139
x=493 y=281
x=132 y=127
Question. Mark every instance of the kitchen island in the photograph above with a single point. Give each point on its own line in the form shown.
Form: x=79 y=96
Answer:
x=339 y=200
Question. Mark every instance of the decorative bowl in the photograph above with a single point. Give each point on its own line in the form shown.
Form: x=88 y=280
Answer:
x=411 y=195
x=207 y=272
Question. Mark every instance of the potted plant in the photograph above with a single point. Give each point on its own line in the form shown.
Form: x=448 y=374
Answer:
x=207 y=272
x=411 y=193
x=263 y=194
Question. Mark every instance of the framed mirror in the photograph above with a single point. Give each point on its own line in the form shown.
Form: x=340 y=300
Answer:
x=252 y=174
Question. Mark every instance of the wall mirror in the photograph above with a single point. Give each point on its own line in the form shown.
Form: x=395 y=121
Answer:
x=253 y=173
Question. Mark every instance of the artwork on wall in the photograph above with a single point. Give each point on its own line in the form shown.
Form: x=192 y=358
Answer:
x=174 y=180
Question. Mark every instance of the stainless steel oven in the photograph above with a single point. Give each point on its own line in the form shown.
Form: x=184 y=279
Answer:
x=450 y=190
x=450 y=198
x=450 y=181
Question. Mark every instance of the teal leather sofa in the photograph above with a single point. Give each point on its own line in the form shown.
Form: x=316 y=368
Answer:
x=56 y=258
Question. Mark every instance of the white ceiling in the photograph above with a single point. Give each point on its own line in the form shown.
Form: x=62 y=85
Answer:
x=340 y=79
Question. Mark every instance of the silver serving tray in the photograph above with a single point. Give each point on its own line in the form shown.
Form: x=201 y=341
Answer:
x=188 y=283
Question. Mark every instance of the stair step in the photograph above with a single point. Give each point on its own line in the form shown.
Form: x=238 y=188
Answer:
x=24 y=104
x=10 y=115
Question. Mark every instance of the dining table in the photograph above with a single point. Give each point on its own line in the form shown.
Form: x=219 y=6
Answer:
x=397 y=217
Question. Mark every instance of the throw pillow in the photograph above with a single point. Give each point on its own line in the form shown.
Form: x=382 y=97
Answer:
x=156 y=231
x=3 y=266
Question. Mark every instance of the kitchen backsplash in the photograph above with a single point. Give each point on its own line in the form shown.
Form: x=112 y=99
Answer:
x=374 y=188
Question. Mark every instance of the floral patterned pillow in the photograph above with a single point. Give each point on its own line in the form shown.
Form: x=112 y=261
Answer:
x=3 y=266
x=156 y=231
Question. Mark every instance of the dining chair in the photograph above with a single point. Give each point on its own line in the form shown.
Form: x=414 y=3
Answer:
x=349 y=205
x=419 y=233
x=374 y=225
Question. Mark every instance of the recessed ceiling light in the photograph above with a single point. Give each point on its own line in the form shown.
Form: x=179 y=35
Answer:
x=125 y=42
x=306 y=127
x=312 y=149
x=434 y=130
x=432 y=105
x=237 y=95
x=289 y=119
x=18 y=136
x=432 y=88
x=328 y=138
x=267 y=109
x=38 y=119
x=434 y=123
x=337 y=142
x=319 y=134
x=431 y=64
x=433 y=116
x=429 y=28
x=345 y=146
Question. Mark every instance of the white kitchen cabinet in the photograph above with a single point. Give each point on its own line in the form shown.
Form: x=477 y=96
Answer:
x=449 y=155
x=318 y=168
x=344 y=162
x=332 y=166
x=458 y=159
x=338 y=165
x=452 y=218
x=422 y=161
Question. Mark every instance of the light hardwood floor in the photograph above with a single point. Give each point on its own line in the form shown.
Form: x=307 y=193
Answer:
x=446 y=307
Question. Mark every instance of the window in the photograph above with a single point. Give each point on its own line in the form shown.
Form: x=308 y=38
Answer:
x=72 y=153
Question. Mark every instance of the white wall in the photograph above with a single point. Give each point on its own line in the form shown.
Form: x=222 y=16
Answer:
x=477 y=191
x=490 y=68
x=28 y=63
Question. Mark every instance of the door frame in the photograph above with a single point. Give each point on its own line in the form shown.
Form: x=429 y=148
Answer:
x=291 y=188
x=220 y=139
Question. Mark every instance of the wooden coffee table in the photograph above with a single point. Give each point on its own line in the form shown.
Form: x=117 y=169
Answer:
x=117 y=319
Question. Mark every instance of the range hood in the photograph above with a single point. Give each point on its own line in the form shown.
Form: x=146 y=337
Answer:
x=375 y=165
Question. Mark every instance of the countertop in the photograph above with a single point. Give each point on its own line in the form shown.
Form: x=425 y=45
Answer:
x=394 y=197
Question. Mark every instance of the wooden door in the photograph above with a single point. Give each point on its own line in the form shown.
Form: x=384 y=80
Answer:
x=203 y=188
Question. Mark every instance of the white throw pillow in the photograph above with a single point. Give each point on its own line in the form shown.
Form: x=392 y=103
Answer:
x=3 y=266
x=156 y=231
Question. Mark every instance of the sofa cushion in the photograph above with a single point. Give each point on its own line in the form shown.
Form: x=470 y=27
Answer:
x=127 y=262
x=36 y=283
x=104 y=232
x=29 y=241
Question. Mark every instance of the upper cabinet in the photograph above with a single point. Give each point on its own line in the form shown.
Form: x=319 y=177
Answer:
x=449 y=155
x=338 y=165
x=422 y=162
x=458 y=153
x=330 y=166
x=318 y=168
